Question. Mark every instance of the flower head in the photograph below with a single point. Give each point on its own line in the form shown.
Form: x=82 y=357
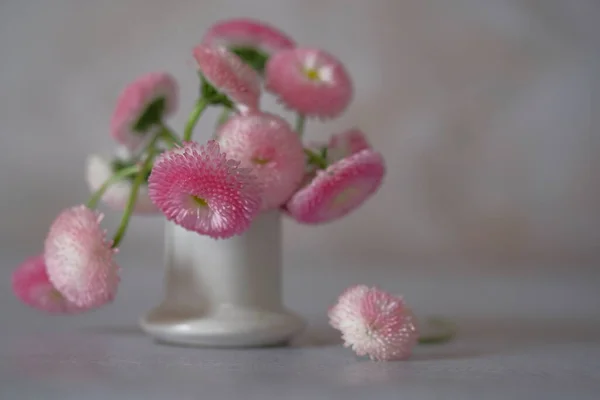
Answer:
x=339 y=189
x=266 y=144
x=252 y=40
x=198 y=188
x=80 y=260
x=310 y=81
x=228 y=74
x=99 y=169
x=141 y=106
x=374 y=323
x=31 y=285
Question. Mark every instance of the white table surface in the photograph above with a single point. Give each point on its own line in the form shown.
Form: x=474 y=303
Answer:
x=522 y=336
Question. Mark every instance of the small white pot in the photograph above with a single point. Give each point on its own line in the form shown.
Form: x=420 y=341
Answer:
x=224 y=293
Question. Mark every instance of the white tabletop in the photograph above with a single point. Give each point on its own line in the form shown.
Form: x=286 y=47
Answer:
x=521 y=337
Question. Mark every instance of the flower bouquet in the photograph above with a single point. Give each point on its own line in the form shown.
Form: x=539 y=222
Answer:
x=223 y=200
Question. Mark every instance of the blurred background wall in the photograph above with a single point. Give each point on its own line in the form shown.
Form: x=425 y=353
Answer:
x=485 y=110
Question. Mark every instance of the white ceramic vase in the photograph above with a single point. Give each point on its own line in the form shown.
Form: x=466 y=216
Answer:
x=224 y=293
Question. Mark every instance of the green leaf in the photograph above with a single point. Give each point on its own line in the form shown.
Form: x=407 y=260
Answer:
x=212 y=95
x=151 y=116
x=324 y=151
x=253 y=57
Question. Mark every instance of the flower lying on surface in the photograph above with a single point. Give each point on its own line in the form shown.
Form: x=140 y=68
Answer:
x=228 y=74
x=198 y=188
x=251 y=40
x=374 y=323
x=310 y=81
x=80 y=260
x=338 y=189
x=31 y=285
x=141 y=107
x=99 y=170
x=266 y=144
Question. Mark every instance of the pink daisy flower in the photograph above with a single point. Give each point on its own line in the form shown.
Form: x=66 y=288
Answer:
x=266 y=144
x=79 y=258
x=229 y=74
x=252 y=40
x=141 y=105
x=310 y=81
x=99 y=170
x=374 y=323
x=339 y=189
x=31 y=285
x=198 y=188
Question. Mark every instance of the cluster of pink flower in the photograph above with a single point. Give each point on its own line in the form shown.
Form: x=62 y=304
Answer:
x=255 y=162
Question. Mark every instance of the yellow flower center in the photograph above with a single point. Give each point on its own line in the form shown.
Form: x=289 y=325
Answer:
x=199 y=201
x=312 y=74
x=260 y=161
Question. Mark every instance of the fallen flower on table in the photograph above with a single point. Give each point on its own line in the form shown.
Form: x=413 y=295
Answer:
x=375 y=323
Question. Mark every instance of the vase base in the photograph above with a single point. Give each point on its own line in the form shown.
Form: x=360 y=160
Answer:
x=227 y=327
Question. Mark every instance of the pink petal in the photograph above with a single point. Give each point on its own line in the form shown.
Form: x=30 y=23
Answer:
x=375 y=323
x=198 y=188
x=31 y=285
x=229 y=74
x=244 y=32
x=339 y=189
x=310 y=81
x=266 y=144
x=80 y=260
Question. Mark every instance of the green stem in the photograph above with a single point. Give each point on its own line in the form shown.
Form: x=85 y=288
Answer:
x=135 y=187
x=436 y=339
x=300 y=122
x=437 y=330
x=169 y=136
x=118 y=176
x=314 y=158
x=194 y=117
